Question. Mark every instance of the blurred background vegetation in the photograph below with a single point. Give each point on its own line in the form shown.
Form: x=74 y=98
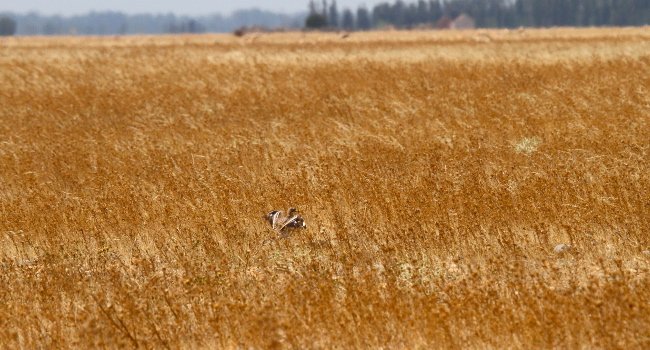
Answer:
x=327 y=15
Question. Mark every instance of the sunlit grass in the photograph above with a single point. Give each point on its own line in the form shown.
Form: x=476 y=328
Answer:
x=437 y=173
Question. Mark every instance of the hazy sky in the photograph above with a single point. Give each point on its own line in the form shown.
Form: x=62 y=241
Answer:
x=186 y=7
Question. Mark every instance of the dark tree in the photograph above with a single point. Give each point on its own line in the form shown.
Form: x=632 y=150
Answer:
x=348 y=20
x=382 y=14
x=312 y=7
x=435 y=10
x=411 y=16
x=399 y=13
x=422 y=13
x=363 y=18
x=316 y=21
x=7 y=26
x=333 y=18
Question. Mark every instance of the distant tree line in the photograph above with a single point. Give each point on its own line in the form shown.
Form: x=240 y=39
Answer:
x=115 y=23
x=323 y=14
x=486 y=13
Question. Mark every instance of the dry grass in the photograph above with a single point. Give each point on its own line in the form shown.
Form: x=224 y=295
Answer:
x=436 y=171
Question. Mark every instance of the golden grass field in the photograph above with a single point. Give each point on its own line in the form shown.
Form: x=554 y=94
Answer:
x=437 y=171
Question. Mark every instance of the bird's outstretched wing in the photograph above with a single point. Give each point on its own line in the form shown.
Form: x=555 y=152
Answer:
x=289 y=221
x=275 y=218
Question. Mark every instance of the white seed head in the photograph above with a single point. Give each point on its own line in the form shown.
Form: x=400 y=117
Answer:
x=561 y=248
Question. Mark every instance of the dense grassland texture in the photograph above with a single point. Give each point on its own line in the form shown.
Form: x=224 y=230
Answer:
x=437 y=173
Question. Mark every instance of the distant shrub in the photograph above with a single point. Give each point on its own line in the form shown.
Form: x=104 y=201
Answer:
x=241 y=31
x=316 y=21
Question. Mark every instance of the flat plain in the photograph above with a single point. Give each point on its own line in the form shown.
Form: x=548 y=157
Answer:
x=437 y=172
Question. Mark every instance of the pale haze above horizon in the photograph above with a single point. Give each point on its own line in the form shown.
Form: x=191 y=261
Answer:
x=187 y=7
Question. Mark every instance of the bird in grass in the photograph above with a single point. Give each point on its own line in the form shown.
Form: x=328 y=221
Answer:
x=284 y=223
